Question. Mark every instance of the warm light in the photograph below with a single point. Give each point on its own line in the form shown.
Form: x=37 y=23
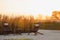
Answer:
x=28 y=7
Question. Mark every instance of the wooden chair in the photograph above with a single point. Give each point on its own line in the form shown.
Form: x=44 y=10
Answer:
x=35 y=29
x=6 y=29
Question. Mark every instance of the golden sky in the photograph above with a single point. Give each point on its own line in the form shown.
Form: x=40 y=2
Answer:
x=29 y=7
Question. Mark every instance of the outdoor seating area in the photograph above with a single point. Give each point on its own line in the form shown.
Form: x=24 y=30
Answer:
x=11 y=30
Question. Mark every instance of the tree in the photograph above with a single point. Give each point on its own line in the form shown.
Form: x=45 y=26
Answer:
x=56 y=15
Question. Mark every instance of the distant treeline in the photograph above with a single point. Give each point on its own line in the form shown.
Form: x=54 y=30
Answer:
x=50 y=25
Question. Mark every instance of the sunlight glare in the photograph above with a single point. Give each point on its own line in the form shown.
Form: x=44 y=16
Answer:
x=28 y=7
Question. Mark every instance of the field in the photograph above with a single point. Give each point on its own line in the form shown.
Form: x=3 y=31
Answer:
x=48 y=35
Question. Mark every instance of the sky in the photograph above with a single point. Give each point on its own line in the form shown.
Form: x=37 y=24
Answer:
x=29 y=7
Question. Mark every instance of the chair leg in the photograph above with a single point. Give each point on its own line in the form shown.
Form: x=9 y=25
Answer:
x=35 y=33
x=28 y=33
x=40 y=33
x=20 y=32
